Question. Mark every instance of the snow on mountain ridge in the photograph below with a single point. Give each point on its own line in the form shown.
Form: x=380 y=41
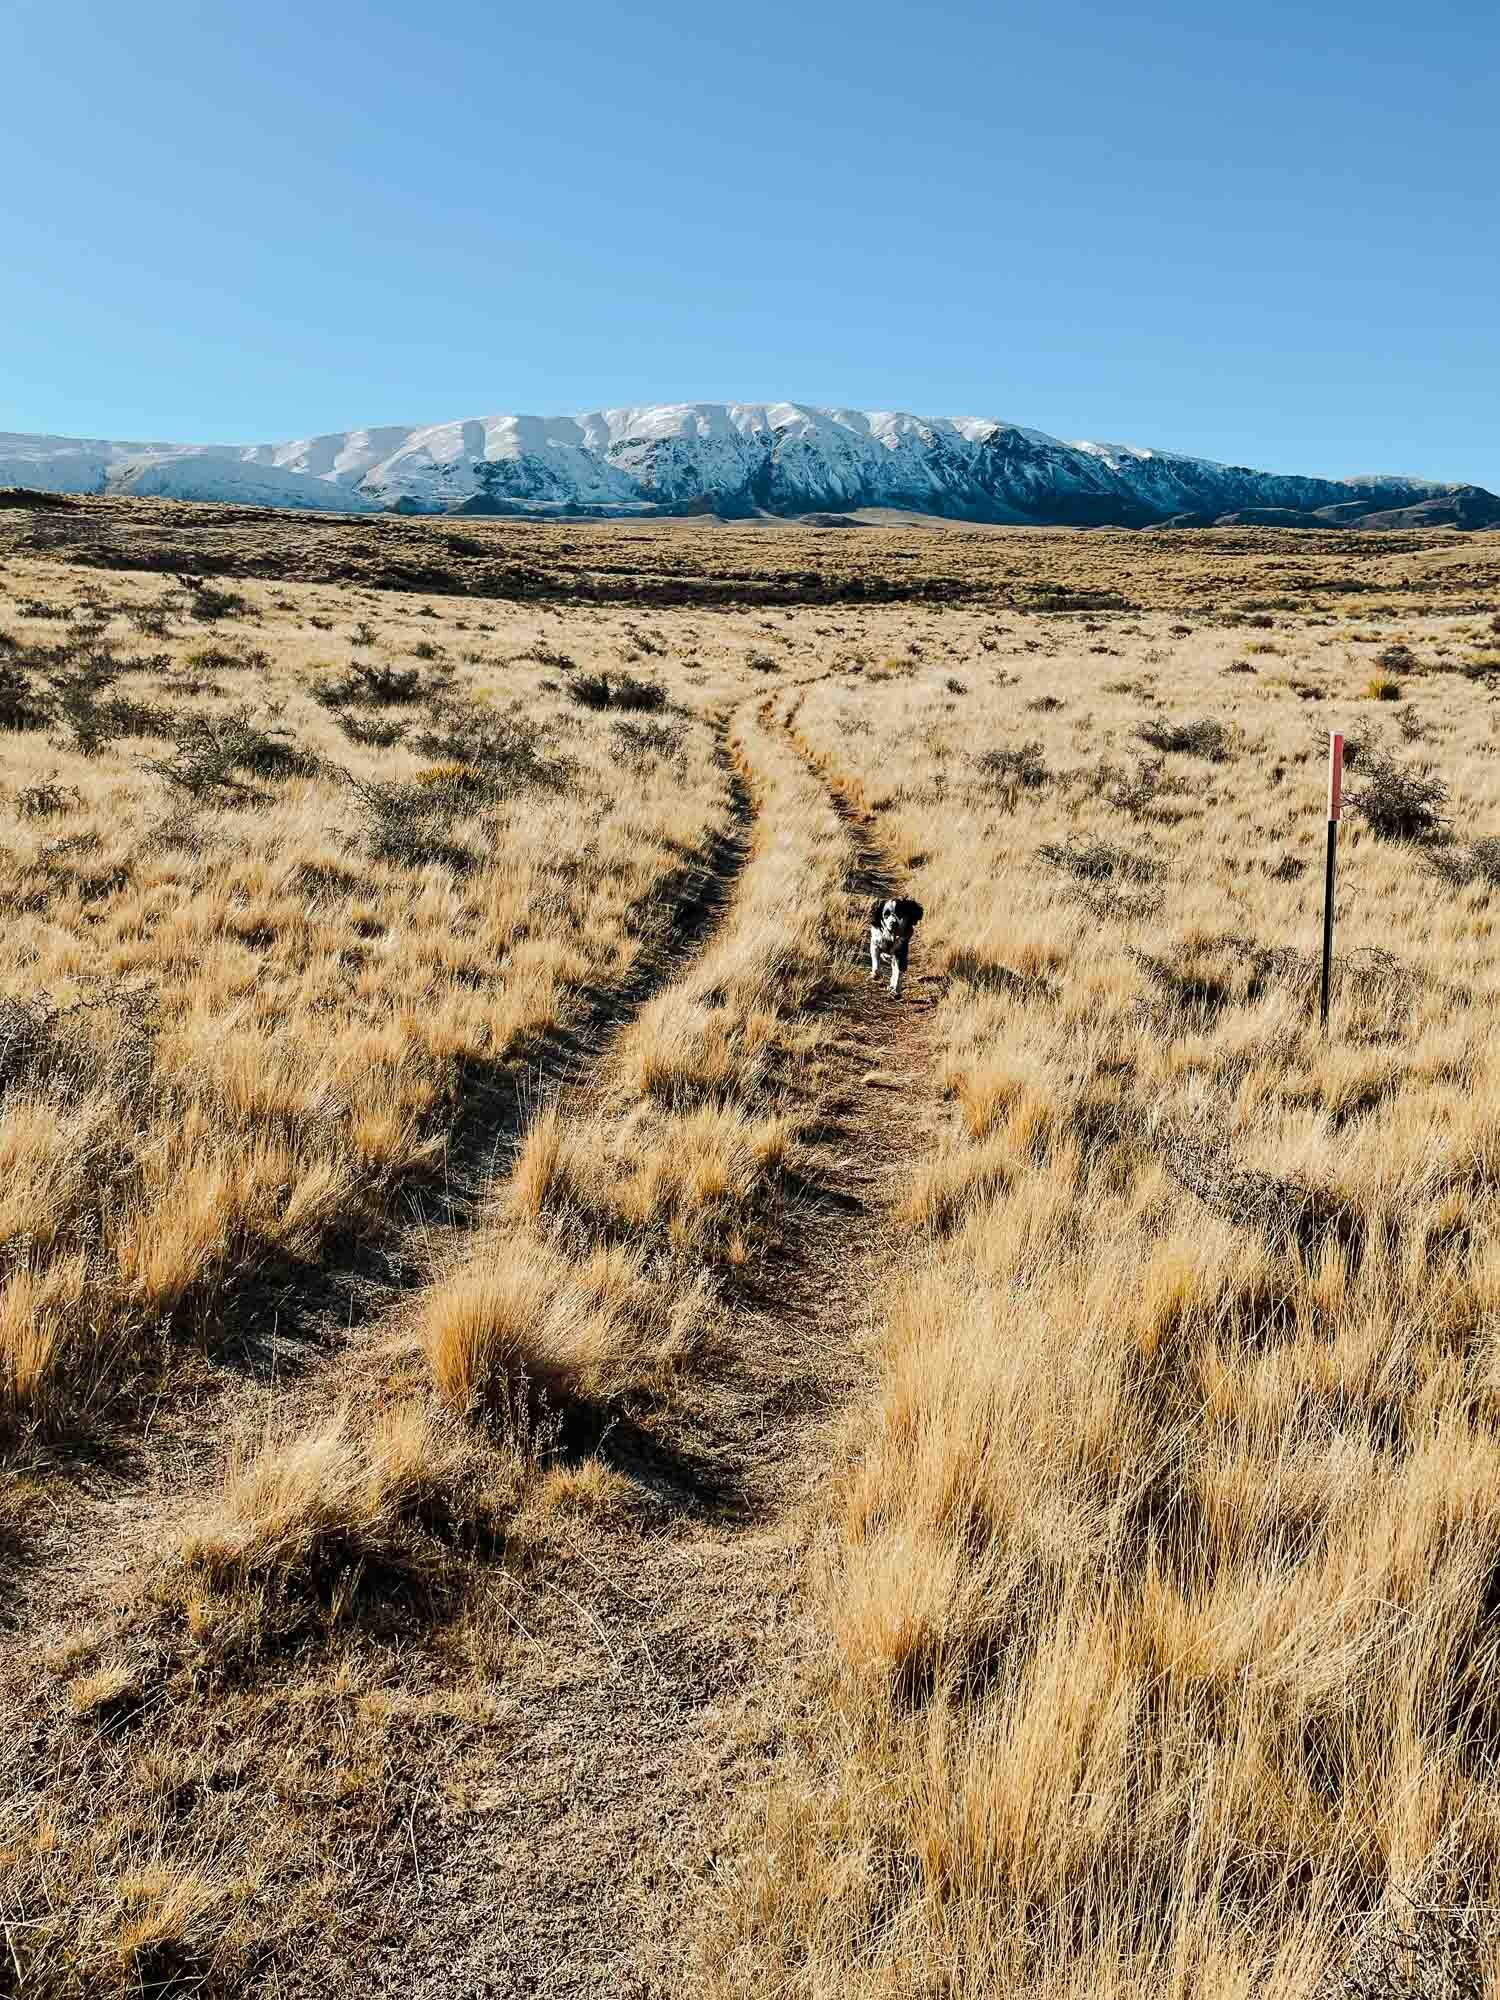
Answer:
x=732 y=458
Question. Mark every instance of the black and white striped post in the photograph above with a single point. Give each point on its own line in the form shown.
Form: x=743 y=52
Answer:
x=1335 y=787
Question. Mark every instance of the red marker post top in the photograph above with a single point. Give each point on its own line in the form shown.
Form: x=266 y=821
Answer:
x=1335 y=772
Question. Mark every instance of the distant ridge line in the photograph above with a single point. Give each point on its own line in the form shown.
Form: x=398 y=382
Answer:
x=737 y=460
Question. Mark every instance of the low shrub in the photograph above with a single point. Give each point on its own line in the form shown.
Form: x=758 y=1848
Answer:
x=227 y=659
x=511 y=751
x=374 y=686
x=1397 y=659
x=46 y=798
x=1016 y=766
x=589 y=691
x=1095 y=860
x=1203 y=738
x=626 y=691
x=1464 y=863
x=20 y=705
x=639 y=740
x=214 y=751
x=1134 y=792
x=1400 y=801
x=208 y=603
x=410 y=823
x=598 y=691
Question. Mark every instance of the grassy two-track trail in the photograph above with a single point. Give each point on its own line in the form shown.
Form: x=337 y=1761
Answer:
x=533 y=1762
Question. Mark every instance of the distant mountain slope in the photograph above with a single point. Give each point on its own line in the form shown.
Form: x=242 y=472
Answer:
x=734 y=459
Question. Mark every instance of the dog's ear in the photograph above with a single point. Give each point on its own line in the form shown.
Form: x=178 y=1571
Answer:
x=911 y=911
x=877 y=911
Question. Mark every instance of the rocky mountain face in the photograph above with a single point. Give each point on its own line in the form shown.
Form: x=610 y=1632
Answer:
x=738 y=460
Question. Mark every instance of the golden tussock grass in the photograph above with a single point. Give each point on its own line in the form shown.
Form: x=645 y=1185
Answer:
x=247 y=988
x=1157 y=1587
x=1162 y=1597
x=619 y=1219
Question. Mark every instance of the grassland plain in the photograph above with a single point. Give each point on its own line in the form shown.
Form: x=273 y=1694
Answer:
x=412 y=1469
x=1162 y=1591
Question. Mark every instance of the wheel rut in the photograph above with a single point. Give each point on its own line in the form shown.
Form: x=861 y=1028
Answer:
x=562 y=1845
x=293 y=1354
x=654 y=1662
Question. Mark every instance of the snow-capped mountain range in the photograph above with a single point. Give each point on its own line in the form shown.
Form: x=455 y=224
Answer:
x=733 y=459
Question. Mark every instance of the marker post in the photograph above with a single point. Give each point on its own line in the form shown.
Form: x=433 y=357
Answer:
x=1335 y=787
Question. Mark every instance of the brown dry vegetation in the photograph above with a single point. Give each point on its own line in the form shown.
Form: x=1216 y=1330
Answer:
x=264 y=973
x=1163 y=1591
x=500 y=1041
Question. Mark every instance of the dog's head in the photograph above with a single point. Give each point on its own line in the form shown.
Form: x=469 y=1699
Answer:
x=897 y=916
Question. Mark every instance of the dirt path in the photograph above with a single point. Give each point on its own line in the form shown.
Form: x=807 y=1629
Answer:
x=645 y=1697
x=560 y=1842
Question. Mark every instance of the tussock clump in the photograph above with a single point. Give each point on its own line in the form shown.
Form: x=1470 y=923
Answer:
x=317 y=1532
x=988 y=975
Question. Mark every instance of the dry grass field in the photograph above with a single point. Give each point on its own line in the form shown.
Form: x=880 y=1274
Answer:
x=552 y=1441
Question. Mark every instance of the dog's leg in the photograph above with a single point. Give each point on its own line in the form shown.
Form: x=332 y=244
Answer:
x=895 y=977
x=874 y=956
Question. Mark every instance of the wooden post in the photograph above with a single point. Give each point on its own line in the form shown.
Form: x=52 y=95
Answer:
x=1335 y=788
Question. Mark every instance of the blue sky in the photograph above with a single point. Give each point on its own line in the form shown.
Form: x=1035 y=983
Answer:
x=1270 y=235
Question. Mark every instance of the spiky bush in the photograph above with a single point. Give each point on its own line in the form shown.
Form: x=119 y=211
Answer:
x=1205 y=737
x=1399 y=801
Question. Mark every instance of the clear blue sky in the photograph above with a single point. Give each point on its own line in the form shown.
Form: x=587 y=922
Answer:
x=1269 y=234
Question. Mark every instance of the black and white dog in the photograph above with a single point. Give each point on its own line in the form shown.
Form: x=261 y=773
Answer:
x=892 y=922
